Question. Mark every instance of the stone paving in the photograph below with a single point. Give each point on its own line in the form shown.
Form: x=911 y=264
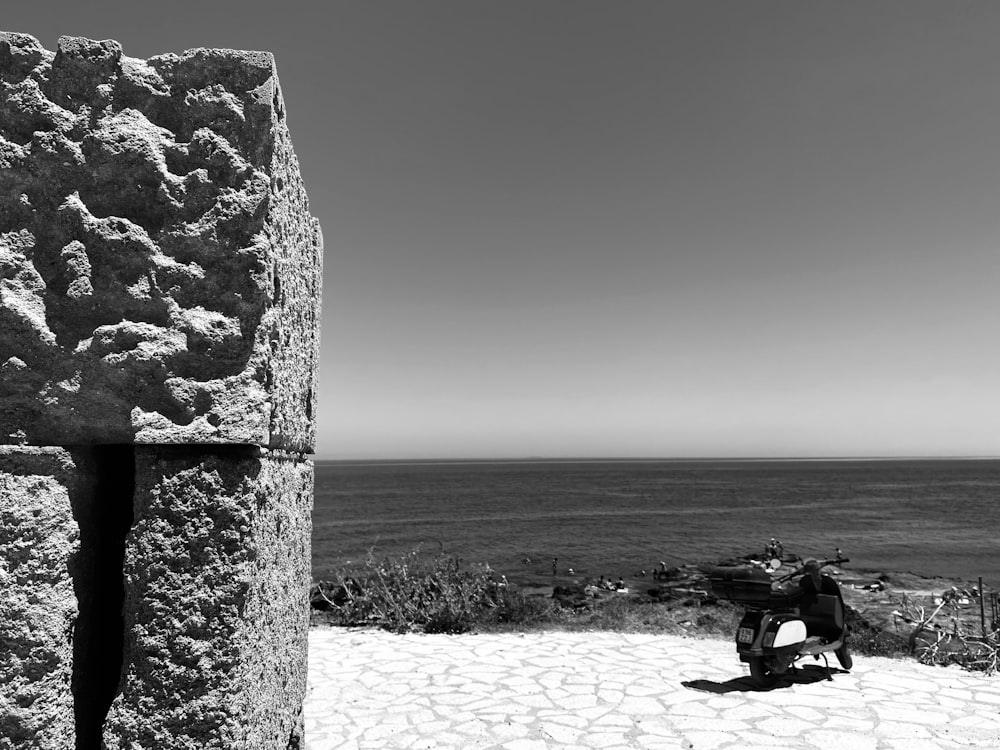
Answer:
x=610 y=691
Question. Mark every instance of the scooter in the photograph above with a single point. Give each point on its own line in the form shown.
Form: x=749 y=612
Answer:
x=785 y=622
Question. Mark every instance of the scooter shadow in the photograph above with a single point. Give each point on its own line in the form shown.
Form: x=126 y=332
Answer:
x=798 y=676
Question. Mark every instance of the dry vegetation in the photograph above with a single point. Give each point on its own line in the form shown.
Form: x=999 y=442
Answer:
x=436 y=593
x=888 y=615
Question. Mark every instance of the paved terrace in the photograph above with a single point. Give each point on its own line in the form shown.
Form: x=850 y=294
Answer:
x=371 y=689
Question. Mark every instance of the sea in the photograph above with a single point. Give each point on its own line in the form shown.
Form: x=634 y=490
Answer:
x=542 y=522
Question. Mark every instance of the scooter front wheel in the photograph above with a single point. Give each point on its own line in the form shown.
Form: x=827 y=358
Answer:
x=844 y=657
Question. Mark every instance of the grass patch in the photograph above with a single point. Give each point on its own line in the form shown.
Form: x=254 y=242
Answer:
x=693 y=615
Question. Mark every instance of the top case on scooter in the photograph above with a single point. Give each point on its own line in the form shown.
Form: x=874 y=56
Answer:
x=745 y=585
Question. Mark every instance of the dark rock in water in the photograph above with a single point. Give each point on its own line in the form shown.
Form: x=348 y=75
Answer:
x=668 y=574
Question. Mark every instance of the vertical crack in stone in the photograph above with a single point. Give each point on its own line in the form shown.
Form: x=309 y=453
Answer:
x=98 y=641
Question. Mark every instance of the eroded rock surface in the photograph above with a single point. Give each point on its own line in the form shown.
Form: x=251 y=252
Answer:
x=216 y=602
x=39 y=541
x=159 y=268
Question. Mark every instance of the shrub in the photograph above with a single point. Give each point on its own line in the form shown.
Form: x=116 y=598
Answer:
x=432 y=592
x=960 y=642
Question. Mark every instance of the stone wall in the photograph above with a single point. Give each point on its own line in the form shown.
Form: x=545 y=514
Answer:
x=159 y=332
x=39 y=545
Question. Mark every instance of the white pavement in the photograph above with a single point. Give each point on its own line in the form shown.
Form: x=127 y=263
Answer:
x=371 y=689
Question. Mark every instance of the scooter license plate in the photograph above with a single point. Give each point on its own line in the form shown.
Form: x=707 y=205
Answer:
x=745 y=635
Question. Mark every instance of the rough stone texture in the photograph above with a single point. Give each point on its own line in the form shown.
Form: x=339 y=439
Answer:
x=39 y=540
x=159 y=308
x=159 y=268
x=216 y=612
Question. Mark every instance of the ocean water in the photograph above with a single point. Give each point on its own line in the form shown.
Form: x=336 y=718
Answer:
x=618 y=518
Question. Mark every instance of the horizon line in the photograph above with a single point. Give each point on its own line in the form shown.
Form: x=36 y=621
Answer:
x=650 y=459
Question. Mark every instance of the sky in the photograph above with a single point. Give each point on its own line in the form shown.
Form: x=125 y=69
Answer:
x=567 y=228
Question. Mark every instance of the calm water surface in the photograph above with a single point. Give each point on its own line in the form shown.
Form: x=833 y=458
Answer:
x=617 y=518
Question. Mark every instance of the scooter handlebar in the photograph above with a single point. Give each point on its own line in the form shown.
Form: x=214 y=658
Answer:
x=822 y=564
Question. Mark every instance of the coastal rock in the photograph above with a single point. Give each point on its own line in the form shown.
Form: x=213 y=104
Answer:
x=39 y=544
x=217 y=575
x=159 y=267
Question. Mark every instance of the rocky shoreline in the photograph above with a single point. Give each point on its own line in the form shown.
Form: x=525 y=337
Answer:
x=884 y=608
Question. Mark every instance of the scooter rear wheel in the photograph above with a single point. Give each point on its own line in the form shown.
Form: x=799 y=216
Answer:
x=758 y=670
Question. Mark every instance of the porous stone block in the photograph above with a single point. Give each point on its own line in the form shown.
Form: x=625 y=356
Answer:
x=159 y=267
x=216 y=602
x=39 y=540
